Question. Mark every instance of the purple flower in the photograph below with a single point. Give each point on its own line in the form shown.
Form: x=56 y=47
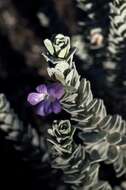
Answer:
x=47 y=98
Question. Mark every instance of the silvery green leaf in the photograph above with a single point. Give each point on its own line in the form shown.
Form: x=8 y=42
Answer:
x=113 y=138
x=92 y=137
x=72 y=180
x=69 y=77
x=49 y=46
x=91 y=105
x=59 y=36
x=123 y=127
x=122 y=143
x=101 y=185
x=59 y=76
x=5 y=127
x=84 y=93
x=112 y=125
x=50 y=71
x=59 y=148
x=9 y=120
x=95 y=121
x=70 y=90
x=92 y=175
x=83 y=120
x=97 y=107
x=85 y=166
x=50 y=131
x=95 y=156
x=105 y=122
x=116 y=123
x=101 y=147
x=112 y=153
x=2 y=116
x=23 y=137
x=68 y=46
x=67 y=105
x=81 y=91
x=103 y=135
x=77 y=82
x=73 y=110
x=61 y=67
x=70 y=99
x=4 y=104
x=76 y=78
x=71 y=172
x=63 y=52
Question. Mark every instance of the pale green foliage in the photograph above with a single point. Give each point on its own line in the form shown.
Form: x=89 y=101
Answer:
x=78 y=170
x=14 y=129
x=9 y=122
x=116 y=39
x=91 y=40
x=103 y=136
x=118 y=27
x=112 y=57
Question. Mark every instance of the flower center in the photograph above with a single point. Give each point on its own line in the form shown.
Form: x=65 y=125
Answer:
x=51 y=98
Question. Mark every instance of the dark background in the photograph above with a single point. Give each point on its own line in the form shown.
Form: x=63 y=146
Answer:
x=22 y=68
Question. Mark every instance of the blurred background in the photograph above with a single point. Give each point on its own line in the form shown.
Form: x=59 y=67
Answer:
x=23 y=27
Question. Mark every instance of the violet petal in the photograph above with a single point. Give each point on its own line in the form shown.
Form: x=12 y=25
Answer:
x=34 y=98
x=47 y=107
x=56 y=90
x=40 y=109
x=41 y=89
x=56 y=107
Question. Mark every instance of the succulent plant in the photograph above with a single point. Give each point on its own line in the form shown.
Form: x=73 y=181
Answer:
x=103 y=136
